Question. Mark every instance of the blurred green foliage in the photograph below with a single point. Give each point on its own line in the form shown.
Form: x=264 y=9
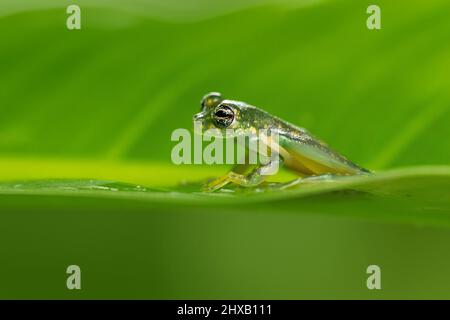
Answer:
x=116 y=89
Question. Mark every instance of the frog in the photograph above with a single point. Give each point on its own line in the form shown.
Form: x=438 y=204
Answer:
x=298 y=150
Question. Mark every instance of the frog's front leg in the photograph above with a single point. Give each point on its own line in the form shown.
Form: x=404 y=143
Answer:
x=255 y=177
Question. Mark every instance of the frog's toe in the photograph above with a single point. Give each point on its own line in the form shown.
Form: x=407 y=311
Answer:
x=215 y=184
x=209 y=188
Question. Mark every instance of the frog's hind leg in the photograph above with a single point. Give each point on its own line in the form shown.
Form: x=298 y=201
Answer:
x=306 y=180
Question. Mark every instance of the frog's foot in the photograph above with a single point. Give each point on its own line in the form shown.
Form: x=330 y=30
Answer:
x=307 y=180
x=216 y=184
x=250 y=180
x=254 y=178
x=322 y=177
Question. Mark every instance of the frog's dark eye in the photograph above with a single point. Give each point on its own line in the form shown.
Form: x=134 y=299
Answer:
x=223 y=116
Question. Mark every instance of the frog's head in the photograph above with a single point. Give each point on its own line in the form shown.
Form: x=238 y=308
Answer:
x=220 y=114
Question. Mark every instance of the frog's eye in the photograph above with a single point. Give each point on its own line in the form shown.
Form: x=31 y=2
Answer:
x=223 y=116
x=211 y=100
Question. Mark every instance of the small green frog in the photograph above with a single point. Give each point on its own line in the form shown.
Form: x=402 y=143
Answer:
x=298 y=150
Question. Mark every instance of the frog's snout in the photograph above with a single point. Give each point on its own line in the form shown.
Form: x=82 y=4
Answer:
x=199 y=116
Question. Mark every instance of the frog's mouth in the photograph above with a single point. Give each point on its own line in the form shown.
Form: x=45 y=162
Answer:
x=198 y=121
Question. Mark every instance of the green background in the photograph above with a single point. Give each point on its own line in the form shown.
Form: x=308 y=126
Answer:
x=101 y=103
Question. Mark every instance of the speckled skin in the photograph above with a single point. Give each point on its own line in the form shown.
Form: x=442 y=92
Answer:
x=300 y=151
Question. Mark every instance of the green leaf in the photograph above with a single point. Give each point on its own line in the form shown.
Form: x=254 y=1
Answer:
x=134 y=242
x=412 y=195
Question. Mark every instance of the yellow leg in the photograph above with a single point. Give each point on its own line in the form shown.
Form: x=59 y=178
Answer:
x=217 y=183
x=250 y=180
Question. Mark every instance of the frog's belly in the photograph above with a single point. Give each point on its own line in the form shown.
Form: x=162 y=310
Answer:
x=308 y=165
